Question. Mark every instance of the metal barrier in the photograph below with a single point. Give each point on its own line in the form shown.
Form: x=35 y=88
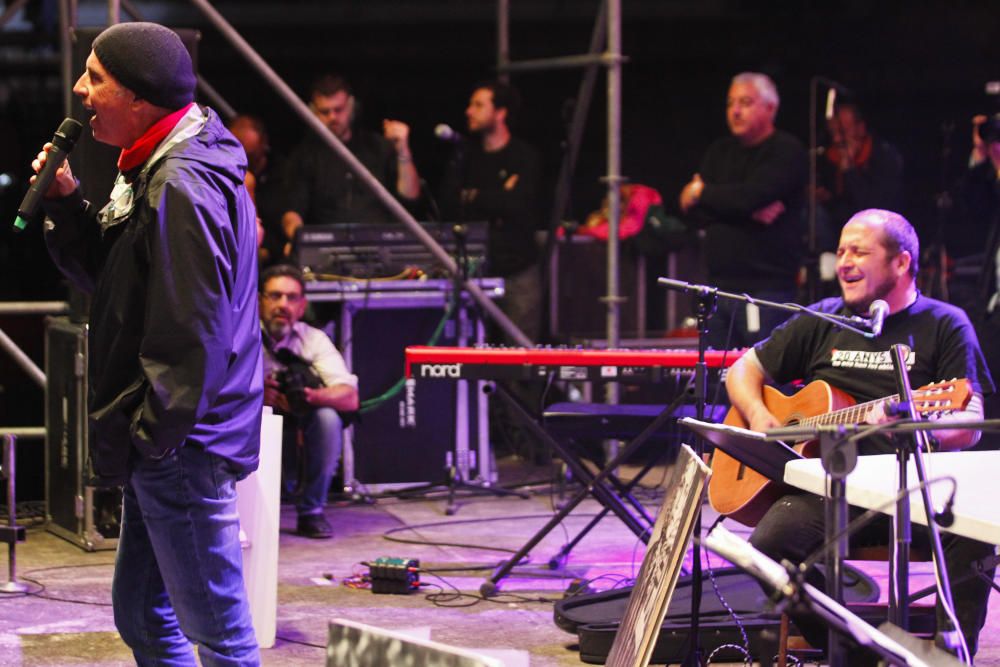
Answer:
x=13 y=533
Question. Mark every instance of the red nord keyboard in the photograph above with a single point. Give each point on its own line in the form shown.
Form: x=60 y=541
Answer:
x=512 y=363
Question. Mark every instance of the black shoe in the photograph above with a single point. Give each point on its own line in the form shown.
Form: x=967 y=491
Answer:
x=315 y=526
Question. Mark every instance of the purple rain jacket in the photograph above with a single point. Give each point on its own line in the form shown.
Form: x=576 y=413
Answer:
x=174 y=343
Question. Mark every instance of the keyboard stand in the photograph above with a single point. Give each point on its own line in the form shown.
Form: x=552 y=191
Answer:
x=604 y=486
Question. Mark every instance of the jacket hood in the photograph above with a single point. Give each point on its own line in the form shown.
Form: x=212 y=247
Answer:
x=206 y=146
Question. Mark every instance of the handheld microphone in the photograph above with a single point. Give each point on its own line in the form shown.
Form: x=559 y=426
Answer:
x=445 y=133
x=877 y=313
x=63 y=142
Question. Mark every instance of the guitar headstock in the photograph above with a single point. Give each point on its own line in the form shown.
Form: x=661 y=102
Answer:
x=942 y=397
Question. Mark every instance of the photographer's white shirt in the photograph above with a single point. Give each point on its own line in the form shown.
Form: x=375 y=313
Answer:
x=315 y=347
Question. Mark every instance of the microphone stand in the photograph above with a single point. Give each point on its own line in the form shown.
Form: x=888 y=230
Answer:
x=898 y=593
x=893 y=646
x=839 y=454
x=841 y=460
x=812 y=269
x=707 y=302
x=901 y=532
x=850 y=323
x=899 y=582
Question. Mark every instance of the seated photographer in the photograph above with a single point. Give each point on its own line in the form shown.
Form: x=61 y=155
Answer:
x=307 y=381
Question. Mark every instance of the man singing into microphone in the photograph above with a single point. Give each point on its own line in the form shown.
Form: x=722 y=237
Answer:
x=175 y=368
x=876 y=259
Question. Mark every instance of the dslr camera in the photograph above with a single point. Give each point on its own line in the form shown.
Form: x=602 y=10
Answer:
x=293 y=380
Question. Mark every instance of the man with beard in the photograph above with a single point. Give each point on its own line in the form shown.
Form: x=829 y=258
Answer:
x=748 y=196
x=295 y=356
x=497 y=178
x=876 y=259
x=320 y=187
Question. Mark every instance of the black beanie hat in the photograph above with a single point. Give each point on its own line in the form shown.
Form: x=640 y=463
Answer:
x=150 y=60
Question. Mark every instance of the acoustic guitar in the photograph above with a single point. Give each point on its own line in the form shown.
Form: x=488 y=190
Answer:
x=745 y=495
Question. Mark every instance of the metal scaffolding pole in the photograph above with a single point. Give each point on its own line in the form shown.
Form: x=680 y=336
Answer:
x=67 y=17
x=11 y=11
x=503 y=39
x=612 y=59
x=614 y=178
x=567 y=167
x=364 y=176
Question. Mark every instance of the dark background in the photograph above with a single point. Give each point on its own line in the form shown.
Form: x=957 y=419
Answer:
x=921 y=67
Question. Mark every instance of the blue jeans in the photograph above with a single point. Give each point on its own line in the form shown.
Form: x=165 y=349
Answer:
x=179 y=573
x=322 y=440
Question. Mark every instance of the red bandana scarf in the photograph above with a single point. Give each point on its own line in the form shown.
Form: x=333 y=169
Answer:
x=139 y=152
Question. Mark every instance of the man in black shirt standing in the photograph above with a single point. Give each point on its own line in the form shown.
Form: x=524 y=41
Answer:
x=324 y=190
x=497 y=179
x=748 y=196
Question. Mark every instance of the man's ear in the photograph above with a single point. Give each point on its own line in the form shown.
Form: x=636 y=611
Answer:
x=353 y=109
x=905 y=260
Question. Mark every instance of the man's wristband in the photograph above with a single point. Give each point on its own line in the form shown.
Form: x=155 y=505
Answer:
x=403 y=158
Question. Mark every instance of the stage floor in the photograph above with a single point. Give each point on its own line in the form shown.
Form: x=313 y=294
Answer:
x=66 y=618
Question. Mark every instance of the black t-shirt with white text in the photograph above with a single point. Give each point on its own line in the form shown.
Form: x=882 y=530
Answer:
x=941 y=340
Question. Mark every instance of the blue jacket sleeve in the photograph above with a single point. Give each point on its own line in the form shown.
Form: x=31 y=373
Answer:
x=187 y=345
x=73 y=238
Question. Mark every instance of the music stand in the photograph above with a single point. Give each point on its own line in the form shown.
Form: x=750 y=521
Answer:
x=768 y=456
x=751 y=448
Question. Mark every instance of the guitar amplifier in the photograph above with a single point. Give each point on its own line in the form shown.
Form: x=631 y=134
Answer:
x=75 y=510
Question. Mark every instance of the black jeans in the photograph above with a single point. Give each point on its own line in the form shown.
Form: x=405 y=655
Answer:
x=793 y=529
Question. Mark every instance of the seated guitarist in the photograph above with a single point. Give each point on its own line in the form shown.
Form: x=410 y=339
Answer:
x=876 y=259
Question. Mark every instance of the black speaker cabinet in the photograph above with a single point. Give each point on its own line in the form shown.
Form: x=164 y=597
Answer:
x=418 y=433
x=87 y=516
x=578 y=283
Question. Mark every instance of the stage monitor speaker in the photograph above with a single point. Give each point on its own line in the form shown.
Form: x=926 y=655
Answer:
x=94 y=163
x=428 y=432
x=77 y=511
x=578 y=279
x=409 y=437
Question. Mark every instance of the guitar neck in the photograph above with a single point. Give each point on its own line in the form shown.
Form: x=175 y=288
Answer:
x=852 y=415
